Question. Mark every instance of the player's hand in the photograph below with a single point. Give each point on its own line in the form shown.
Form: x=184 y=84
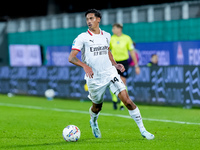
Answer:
x=88 y=71
x=120 y=67
x=137 y=70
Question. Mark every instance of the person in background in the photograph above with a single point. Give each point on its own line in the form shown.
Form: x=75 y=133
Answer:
x=130 y=60
x=121 y=45
x=154 y=60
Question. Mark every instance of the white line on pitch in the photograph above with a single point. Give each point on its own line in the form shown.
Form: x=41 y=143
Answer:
x=86 y=112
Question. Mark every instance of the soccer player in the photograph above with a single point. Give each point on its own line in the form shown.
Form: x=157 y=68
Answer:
x=121 y=45
x=101 y=71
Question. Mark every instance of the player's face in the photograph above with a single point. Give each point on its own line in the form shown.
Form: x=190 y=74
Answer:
x=92 y=21
x=116 y=30
x=155 y=59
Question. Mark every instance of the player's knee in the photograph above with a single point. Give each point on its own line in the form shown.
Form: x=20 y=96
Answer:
x=97 y=109
x=128 y=102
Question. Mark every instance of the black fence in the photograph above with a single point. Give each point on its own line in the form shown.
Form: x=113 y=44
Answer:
x=171 y=85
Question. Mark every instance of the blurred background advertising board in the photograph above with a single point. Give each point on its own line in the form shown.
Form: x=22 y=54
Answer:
x=25 y=55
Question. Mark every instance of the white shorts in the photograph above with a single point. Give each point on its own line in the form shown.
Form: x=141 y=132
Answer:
x=98 y=86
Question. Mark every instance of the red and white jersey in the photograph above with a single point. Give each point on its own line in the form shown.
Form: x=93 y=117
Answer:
x=94 y=49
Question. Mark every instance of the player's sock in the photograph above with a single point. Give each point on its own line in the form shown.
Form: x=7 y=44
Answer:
x=135 y=114
x=93 y=116
x=93 y=124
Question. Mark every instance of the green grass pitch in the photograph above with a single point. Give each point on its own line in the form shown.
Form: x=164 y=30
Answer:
x=36 y=123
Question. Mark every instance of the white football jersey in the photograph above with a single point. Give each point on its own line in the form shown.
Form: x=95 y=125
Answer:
x=94 y=50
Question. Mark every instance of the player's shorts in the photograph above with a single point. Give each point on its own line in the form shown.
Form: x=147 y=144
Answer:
x=98 y=85
x=126 y=66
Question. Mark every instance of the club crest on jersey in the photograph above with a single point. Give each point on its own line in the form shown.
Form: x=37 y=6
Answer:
x=73 y=42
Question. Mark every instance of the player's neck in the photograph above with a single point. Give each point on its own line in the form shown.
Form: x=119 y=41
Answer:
x=95 y=30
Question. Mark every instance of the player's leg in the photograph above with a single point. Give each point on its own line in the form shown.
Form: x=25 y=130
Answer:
x=124 y=81
x=124 y=97
x=124 y=76
x=115 y=99
x=96 y=94
x=134 y=113
x=96 y=108
x=118 y=87
x=94 y=114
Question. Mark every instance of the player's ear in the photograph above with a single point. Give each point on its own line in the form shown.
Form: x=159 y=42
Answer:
x=98 y=20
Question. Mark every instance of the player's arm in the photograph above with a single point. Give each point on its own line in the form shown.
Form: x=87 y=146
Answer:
x=133 y=56
x=117 y=66
x=74 y=60
x=111 y=58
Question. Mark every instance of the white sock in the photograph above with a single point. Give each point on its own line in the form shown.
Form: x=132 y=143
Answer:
x=135 y=114
x=93 y=116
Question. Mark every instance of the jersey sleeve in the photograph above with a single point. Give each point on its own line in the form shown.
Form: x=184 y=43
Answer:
x=130 y=44
x=109 y=41
x=109 y=37
x=77 y=43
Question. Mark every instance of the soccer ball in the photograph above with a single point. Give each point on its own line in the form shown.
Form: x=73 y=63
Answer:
x=71 y=133
x=49 y=94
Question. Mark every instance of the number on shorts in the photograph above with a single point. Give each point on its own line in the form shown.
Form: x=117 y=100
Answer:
x=114 y=80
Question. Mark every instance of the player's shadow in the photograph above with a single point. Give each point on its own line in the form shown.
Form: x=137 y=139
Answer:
x=32 y=145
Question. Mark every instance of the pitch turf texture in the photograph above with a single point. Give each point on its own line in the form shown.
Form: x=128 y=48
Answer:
x=36 y=123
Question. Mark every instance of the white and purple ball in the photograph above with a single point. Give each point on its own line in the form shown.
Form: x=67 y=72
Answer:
x=71 y=133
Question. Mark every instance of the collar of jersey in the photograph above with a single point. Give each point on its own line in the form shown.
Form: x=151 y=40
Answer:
x=90 y=32
x=114 y=35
